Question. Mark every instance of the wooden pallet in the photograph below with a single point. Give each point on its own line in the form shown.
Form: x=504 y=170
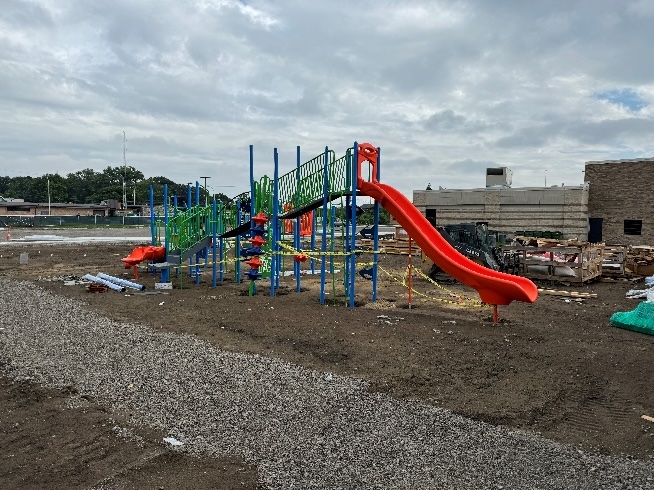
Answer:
x=583 y=259
x=97 y=288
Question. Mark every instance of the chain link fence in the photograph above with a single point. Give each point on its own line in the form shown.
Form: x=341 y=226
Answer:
x=41 y=221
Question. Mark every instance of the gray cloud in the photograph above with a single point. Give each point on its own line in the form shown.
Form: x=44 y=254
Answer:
x=443 y=87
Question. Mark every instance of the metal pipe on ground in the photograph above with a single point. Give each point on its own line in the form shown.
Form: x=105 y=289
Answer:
x=104 y=282
x=122 y=282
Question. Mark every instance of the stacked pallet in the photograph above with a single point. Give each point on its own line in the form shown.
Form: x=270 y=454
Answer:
x=558 y=260
x=614 y=261
x=640 y=260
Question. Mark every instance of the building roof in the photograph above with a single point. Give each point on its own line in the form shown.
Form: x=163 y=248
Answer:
x=508 y=189
x=628 y=160
x=22 y=204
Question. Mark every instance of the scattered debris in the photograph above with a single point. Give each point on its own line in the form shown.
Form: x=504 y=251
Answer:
x=576 y=294
x=97 y=288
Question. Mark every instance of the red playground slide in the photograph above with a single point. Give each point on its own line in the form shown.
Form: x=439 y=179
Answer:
x=143 y=253
x=495 y=288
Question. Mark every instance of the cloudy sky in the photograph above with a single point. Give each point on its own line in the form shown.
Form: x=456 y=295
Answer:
x=445 y=88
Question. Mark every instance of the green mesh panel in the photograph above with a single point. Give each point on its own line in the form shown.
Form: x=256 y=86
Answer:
x=640 y=319
x=304 y=184
x=188 y=228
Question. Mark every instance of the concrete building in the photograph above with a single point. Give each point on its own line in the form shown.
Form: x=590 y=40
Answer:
x=621 y=202
x=111 y=207
x=562 y=209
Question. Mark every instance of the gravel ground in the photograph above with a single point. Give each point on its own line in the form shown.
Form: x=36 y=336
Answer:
x=301 y=428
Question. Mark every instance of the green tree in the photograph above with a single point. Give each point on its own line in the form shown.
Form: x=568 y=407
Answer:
x=4 y=185
x=81 y=185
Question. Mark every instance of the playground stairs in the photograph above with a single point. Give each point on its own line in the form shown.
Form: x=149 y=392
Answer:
x=176 y=257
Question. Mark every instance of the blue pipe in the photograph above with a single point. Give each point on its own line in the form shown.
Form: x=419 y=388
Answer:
x=121 y=282
x=109 y=284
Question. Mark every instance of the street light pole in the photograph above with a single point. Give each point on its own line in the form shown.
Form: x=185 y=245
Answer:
x=206 y=191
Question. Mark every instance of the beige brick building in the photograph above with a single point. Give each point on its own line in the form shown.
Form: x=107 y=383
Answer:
x=557 y=209
x=621 y=201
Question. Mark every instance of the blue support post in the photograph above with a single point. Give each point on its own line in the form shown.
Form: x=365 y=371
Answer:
x=346 y=259
x=325 y=201
x=214 y=237
x=237 y=265
x=355 y=176
x=152 y=218
x=175 y=230
x=189 y=205
x=375 y=256
x=165 y=272
x=298 y=222
x=274 y=228
x=252 y=203
x=197 y=228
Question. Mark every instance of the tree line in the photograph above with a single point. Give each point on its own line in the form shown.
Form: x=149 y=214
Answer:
x=88 y=186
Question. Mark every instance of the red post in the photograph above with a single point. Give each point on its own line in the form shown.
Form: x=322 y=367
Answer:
x=496 y=316
x=410 y=273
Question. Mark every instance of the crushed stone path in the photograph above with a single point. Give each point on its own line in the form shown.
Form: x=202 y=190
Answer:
x=302 y=429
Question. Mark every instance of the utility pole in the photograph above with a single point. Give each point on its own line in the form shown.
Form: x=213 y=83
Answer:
x=124 y=177
x=206 y=195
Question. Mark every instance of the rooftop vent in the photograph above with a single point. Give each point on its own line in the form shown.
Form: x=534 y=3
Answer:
x=499 y=177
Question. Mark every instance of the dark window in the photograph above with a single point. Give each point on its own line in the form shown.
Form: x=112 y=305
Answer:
x=431 y=216
x=633 y=226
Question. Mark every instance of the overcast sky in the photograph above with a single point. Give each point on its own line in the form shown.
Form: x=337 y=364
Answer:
x=445 y=88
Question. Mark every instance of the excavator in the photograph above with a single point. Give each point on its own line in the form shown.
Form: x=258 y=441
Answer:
x=476 y=242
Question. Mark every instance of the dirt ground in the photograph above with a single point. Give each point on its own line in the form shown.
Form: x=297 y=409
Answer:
x=556 y=367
